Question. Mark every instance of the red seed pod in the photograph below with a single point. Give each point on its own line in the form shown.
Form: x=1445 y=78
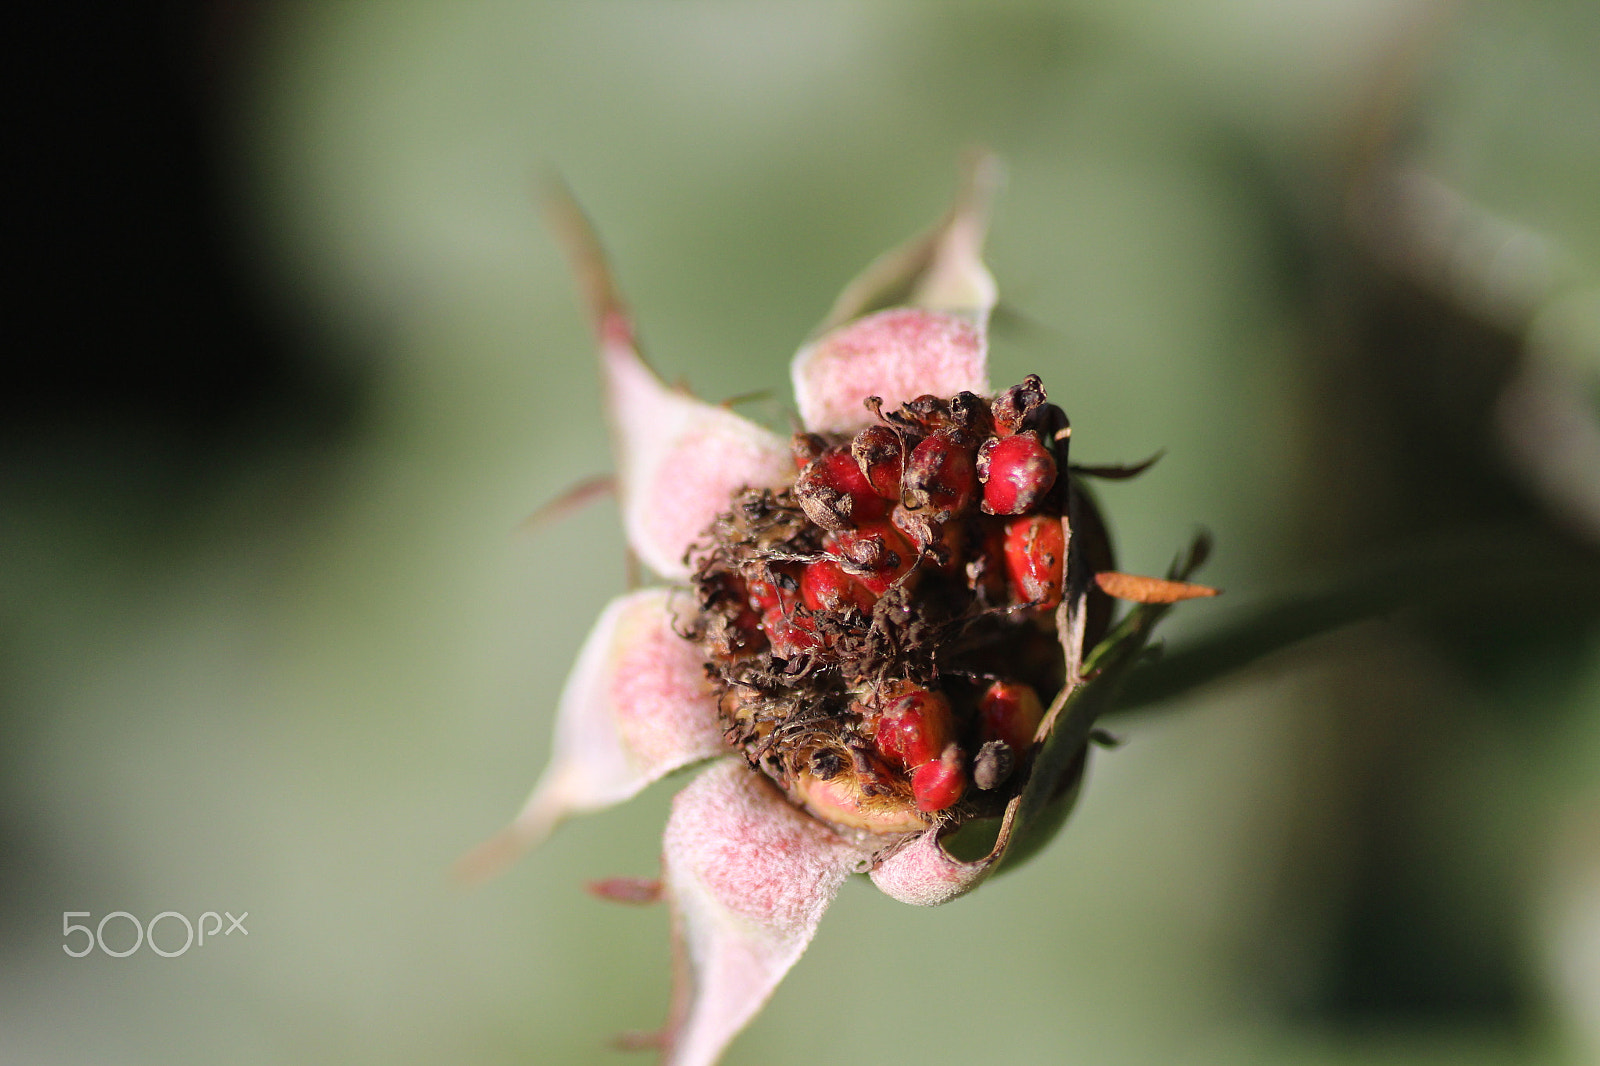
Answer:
x=1016 y=473
x=876 y=555
x=913 y=726
x=919 y=529
x=770 y=590
x=1011 y=712
x=970 y=419
x=805 y=447
x=928 y=411
x=938 y=785
x=878 y=454
x=941 y=478
x=943 y=544
x=824 y=586
x=791 y=634
x=1012 y=407
x=1036 y=557
x=834 y=494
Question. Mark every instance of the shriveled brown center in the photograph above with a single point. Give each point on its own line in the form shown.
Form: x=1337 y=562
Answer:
x=881 y=631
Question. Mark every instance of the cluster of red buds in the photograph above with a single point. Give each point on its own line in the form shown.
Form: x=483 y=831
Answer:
x=882 y=632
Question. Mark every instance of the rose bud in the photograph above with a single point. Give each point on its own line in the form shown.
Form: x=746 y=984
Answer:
x=1036 y=556
x=834 y=494
x=1010 y=711
x=938 y=785
x=1016 y=473
x=941 y=478
x=879 y=454
x=1012 y=408
x=913 y=726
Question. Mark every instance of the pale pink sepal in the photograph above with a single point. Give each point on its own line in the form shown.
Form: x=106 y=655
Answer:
x=636 y=706
x=912 y=323
x=941 y=270
x=923 y=874
x=896 y=355
x=680 y=460
x=956 y=279
x=748 y=877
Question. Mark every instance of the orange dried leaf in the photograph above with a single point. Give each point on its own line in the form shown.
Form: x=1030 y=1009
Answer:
x=1149 y=589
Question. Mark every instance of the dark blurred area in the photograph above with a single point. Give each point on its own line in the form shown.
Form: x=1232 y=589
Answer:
x=141 y=321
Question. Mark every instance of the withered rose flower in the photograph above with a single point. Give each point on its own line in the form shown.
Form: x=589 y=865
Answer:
x=897 y=624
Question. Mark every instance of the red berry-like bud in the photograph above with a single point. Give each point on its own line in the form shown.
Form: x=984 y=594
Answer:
x=970 y=419
x=775 y=589
x=1012 y=407
x=1036 y=557
x=878 y=453
x=790 y=635
x=834 y=494
x=943 y=544
x=986 y=570
x=876 y=554
x=937 y=785
x=824 y=586
x=1016 y=472
x=806 y=447
x=1010 y=711
x=941 y=478
x=914 y=725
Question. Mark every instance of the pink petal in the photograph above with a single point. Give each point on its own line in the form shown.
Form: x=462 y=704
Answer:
x=636 y=706
x=680 y=459
x=749 y=877
x=941 y=270
x=923 y=874
x=934 y=342
x=898 y=355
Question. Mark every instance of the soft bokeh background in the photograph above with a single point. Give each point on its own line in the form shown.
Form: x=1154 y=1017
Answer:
x=305 y=357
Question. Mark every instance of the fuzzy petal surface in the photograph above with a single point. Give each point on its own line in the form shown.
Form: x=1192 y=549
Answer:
x=897 y=355
x=749 y=877
x=636 y=707
x=923 y=874
x=680 y=460
x=941 y=270
x=912 y=323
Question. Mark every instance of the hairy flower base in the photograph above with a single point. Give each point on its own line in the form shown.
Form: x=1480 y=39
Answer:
x=896 y=619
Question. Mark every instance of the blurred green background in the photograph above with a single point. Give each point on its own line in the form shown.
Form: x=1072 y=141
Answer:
x=271 y=642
